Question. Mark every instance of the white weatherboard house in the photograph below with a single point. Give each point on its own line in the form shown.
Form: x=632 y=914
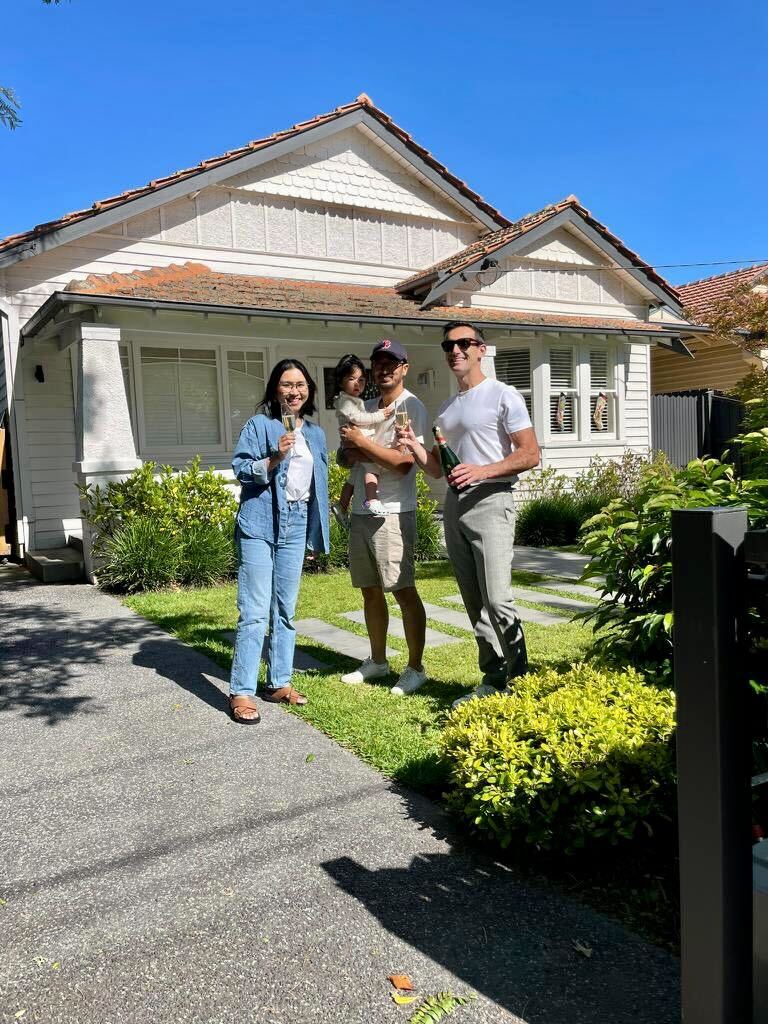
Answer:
x=143 y=327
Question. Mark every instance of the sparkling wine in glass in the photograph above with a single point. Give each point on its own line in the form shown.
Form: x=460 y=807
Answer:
x=401 y=421
x=289 y=422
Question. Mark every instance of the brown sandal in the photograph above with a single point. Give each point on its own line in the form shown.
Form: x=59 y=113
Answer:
x=237 y=705
x=285 y=695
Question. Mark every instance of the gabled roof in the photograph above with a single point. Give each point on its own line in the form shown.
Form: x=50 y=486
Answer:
x=193 y=286
x=491 y=243
x=362 y=104
x=701 y=297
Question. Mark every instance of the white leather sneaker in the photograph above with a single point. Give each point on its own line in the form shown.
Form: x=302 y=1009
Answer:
x=483 y=690
x=368 y=669
x=410 y=680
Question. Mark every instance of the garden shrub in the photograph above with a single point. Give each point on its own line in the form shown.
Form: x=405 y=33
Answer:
x=557 y=506
x=565 y=762
x=186 y=519
x=139 y=556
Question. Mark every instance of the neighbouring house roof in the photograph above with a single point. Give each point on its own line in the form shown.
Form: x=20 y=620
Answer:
x=195 y=285
x=701 y=297
x=495 y=240
x=363 y=103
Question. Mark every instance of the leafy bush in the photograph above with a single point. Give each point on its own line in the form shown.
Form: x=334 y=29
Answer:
x=567 y=761
x=186 y=520
x=630 y=544
x=558 y=505
x=139 y=556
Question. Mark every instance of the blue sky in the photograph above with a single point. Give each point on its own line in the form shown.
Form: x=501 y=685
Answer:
x=652 y=113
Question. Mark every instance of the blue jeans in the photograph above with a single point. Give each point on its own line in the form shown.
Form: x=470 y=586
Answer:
x=268 y=578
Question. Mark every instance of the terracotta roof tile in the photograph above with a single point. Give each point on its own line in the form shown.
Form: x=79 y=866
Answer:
x=196 y=283
x=700 y=297
x=362 y=102
x=495 y=240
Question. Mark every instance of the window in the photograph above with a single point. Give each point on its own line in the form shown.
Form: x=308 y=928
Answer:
x=563 y=402
x=602 y=392
x=181 y=396
x=245 y=377
x=513 y=366
x=125 y=366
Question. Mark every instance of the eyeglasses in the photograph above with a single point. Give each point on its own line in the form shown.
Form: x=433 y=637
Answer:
x=463 y=343
x=290 y=386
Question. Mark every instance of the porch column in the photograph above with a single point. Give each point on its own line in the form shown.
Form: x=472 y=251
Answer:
x=105 y=449
x=488 y=362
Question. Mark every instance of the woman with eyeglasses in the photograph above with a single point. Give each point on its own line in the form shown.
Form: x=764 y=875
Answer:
x=281 y=461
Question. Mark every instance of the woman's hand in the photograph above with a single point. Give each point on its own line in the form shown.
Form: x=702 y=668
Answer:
x=284 y=446
x=389 y=410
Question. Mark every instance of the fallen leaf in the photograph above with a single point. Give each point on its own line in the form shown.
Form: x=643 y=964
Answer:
x=581 y=948
x=3 y=903
x=19 y=1013
x=310 y=758
x=402 y=1000
x=401 y=981
x=227 y=892
x=55 y=965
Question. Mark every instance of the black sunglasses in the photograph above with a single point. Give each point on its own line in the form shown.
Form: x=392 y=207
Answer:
x=463 y=343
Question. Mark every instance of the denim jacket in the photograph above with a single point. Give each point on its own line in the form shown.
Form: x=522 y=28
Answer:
x=263 y=505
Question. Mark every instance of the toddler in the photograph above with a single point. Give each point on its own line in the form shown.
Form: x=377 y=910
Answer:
x=350 y=409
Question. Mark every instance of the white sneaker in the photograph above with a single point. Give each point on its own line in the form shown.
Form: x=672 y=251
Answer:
x=483 y=690
x=410 y=680
x=368 y=669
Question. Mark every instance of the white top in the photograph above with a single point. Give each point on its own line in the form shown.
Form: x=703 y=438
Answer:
x=351 y=409
x=300 y=466
x=477 y=423
x=397 y=491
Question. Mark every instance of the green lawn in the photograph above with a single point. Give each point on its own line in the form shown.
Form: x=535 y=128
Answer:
x=397 y=735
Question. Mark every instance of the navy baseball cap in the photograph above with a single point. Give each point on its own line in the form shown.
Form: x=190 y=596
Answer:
x=392 y=348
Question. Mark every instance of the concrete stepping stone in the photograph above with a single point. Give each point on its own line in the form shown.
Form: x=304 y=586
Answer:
x=459 y=619
x=567 y=604
x=525 y=614
x=574 y=588
x=396 y=628
x=303 y=661
x=339 y=640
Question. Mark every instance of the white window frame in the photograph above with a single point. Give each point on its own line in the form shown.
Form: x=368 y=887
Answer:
x=583 y=435
x=177 y=455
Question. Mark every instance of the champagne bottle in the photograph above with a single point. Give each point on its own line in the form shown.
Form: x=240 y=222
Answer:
x=449 y=460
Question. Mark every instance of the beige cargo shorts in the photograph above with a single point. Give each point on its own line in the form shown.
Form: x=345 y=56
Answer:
x=381 y=550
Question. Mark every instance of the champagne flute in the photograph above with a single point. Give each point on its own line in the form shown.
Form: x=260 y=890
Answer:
x=401 y=421
x=289 y=422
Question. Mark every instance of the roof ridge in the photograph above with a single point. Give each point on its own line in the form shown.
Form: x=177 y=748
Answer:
x=720 y=277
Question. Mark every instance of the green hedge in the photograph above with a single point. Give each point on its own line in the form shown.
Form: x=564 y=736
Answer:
x=158 y=528
x=567 y=761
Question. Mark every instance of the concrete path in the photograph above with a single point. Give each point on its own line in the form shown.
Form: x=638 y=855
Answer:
x=567 y=564
x=160 y=864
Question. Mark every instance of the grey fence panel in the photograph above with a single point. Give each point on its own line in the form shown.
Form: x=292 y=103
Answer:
x=677 y=426
x=686 y=425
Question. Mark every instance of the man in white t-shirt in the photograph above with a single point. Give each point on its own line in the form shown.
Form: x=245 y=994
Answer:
x=488 y=427
x=381 y=547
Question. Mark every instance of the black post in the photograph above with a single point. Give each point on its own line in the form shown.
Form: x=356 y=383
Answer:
x=713 y=761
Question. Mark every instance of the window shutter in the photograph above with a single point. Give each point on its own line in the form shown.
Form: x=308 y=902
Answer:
x=561 y=368
x=513 y=366
x=598 y=369
x=181 y=396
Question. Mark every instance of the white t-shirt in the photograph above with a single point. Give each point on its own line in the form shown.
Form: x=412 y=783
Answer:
x=397 y=491
x=300 y=465
x=477 y=423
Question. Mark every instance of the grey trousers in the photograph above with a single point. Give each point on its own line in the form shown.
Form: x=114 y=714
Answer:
x=479 y=535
